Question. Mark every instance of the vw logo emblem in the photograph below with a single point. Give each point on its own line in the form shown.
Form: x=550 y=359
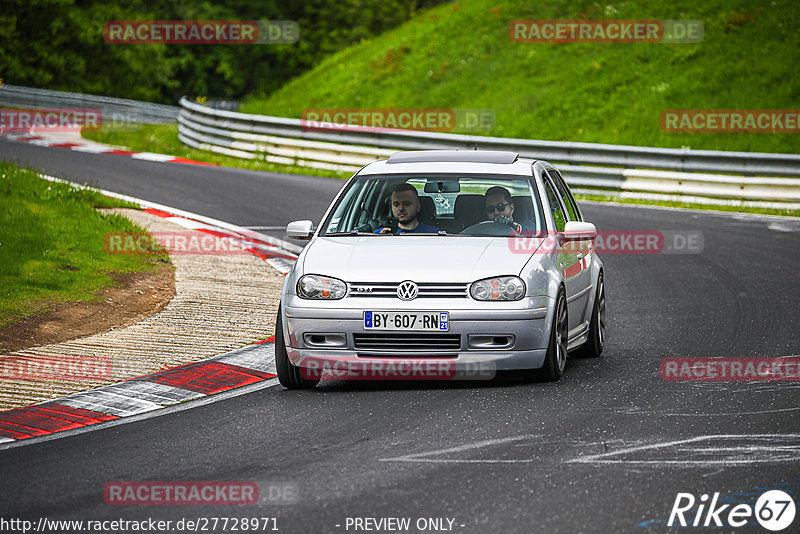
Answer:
x=407 y=290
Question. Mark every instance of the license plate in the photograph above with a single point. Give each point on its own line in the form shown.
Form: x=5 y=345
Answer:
x=411 y=321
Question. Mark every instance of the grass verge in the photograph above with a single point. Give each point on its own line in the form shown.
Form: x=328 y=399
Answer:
x=51 y=243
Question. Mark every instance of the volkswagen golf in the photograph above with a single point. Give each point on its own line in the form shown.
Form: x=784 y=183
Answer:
x=447 y=259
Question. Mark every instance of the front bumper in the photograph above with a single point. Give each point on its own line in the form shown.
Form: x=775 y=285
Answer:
x=523 y=334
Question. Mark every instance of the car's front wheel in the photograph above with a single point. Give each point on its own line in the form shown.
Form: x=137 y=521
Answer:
x=556 y=358
x=289 y=375
x=593 y=347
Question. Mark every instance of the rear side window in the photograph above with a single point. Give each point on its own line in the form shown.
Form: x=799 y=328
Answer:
x=555 y=207
x=565 y=195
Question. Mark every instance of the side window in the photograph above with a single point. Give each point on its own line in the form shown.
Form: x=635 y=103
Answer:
x=565 y=196
x=570 y=197
x=555 y=207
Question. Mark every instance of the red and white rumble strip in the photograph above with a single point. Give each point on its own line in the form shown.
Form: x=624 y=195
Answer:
x=241 y=367
x=81 y=145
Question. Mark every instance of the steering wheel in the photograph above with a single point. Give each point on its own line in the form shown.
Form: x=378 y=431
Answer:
x=490 y=228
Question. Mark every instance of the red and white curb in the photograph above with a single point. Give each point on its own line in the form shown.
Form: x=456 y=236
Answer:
x=242 y=367
x=239 y=368
x=278 y=253
x=81 y=145
x=245 y=239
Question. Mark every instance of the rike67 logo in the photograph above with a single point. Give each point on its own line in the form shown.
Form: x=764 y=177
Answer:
x=774 y=510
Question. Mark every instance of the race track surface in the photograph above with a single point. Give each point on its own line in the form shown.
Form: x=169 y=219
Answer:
x=606 y=449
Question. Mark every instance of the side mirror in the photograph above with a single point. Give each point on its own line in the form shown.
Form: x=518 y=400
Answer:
x=578 y=231
x=300 y=229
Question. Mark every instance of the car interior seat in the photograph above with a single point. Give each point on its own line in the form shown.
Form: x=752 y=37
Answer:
x=469 y=209
x=523 y=208
x=427 y=211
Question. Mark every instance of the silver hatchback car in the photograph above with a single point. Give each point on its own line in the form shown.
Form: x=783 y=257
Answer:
x=443 y=260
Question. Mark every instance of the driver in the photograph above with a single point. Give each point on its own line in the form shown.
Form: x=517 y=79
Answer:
x=500 y=209
x=405 y=208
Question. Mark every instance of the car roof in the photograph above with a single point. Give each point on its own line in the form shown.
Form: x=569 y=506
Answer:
x=473 y=156
x=452 y=161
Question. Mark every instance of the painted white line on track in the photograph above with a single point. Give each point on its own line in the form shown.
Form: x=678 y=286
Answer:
x=420 y=457
x=781 y=226
x=726 y=414
x=772 y=452
x=701 y=451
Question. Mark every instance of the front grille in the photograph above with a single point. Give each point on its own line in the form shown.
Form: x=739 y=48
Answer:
x=426 y=290
x=407 y=341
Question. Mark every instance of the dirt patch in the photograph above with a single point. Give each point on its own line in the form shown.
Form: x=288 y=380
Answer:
x=140 y=294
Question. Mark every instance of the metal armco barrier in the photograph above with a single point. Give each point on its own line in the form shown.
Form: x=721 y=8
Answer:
x=746 y=176
x=615 y=167
x=113 y=109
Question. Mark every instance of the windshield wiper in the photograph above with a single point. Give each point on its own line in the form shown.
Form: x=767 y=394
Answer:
x=351 y=232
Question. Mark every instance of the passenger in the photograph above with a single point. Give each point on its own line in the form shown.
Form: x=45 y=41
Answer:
x=405 y=208
x=500 y=209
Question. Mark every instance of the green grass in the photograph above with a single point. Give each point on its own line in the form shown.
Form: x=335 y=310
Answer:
x=163 y=139
x=51 y=243
x=459 y=55
x=687 y=205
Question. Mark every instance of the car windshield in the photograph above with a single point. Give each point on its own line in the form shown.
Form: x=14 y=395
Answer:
x=448 y=205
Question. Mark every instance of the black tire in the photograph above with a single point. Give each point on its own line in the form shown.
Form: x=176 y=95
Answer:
x=593 y=347
x=556 y=358
x=288 y=374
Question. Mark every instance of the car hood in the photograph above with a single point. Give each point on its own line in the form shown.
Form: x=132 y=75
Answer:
x=417 y=258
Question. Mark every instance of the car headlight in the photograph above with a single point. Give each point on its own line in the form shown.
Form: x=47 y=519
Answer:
x=314 y=286
x=498 y=288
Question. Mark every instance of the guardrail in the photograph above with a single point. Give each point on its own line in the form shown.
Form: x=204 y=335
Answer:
x=643 y=169
x=113 y=109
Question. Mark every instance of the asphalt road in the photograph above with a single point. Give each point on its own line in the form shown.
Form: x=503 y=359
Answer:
x=606 y=449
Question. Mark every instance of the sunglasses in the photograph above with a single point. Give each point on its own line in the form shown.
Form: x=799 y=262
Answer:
x=498 y=207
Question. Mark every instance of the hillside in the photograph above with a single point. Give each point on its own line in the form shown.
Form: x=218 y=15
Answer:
x=459 y=55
